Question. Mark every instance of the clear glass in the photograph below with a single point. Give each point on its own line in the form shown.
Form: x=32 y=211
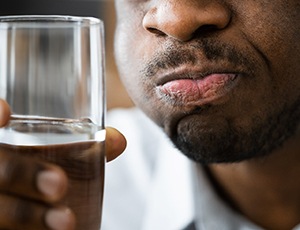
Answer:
x=52 y=76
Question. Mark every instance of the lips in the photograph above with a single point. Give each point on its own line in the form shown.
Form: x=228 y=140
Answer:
x=197 y=91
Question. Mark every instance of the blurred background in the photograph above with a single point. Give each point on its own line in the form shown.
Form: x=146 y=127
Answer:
x=103 y=9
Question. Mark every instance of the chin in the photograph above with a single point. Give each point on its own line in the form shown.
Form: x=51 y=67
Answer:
x=230 y=144
x=215 y=149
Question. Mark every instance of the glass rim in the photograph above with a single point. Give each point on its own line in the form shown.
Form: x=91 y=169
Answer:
x=45 y=21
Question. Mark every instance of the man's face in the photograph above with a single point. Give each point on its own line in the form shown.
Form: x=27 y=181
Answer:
x=222 y=78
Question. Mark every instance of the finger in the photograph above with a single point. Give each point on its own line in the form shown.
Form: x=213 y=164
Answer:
x=22 y=214
x=115 y=143
x=30 y=178
x=4 y=113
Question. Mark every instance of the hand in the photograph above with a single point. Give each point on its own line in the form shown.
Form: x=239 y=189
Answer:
x=30 y=189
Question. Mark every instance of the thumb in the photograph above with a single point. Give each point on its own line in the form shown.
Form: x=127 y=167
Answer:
x=4 y=113
x=115 y=143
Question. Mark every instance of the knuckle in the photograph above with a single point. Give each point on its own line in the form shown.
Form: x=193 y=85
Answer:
x=12 y=172
x=22 y=176
x=21 y=214
x=18 y=175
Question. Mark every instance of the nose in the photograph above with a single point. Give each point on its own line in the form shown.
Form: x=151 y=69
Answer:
x=181 y=19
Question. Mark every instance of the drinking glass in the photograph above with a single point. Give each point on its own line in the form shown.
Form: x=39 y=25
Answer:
x=52 y=76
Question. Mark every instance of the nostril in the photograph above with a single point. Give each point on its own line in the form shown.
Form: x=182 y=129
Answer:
x=155 y=31
x=207 y=28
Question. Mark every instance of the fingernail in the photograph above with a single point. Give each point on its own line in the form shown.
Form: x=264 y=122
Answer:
x=60 y=219
x=50 y=184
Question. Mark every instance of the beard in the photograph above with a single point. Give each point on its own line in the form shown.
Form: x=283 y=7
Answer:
x=224 y=142
x=231 y=144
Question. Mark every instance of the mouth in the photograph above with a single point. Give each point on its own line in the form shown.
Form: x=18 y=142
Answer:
x=195 y=88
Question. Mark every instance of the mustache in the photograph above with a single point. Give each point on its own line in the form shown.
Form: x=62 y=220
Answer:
x=210 y=49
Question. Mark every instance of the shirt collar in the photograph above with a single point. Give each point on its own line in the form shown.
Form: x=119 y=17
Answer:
x=170 y=200
x=210 y=210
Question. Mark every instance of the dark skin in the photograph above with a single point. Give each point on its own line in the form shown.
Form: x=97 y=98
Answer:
x=19 y=207
x=222 y=80
x=238 y=101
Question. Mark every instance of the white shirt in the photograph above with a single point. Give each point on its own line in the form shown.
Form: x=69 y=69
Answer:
x=152 y=186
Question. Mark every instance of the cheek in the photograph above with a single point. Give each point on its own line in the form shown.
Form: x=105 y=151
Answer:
x=125 y=54
x=273 y=29
x=132 y=53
